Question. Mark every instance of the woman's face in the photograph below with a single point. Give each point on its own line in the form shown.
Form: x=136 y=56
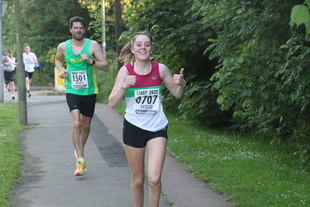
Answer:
x=142 y=47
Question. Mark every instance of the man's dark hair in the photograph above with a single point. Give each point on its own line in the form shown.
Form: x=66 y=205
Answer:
x=77 y=19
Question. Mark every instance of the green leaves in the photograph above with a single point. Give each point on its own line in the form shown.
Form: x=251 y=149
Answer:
x=300 y=15
x=249 y=35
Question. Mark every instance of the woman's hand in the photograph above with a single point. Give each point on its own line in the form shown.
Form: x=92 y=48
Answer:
x=178 y=79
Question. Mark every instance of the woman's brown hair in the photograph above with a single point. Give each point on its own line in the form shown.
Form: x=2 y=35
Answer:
x=125 y=55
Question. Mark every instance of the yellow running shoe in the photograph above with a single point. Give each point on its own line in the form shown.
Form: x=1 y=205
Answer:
x=76 y=158
x=80 y=169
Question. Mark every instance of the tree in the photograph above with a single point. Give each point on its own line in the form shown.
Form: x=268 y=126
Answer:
x=43 y=28
x=118 y=25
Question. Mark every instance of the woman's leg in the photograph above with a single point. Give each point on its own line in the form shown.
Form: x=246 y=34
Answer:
x=157 y=152
x=135 y=157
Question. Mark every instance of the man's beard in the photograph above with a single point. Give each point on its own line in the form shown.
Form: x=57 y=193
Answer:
x=78 y=38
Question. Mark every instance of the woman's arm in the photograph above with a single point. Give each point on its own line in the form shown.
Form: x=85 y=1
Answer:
x=175 y=83
x=122 y=83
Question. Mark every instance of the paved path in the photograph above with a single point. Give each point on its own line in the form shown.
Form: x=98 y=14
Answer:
x=47 y=178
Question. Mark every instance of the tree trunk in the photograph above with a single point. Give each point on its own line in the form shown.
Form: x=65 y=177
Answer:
x=118 y=26
x=22 y=98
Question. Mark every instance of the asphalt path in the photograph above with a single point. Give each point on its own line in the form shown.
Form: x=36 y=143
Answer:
x=48 y=180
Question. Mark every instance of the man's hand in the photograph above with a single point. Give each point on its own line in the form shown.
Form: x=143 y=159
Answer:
x=86 y=58
x=63 y=73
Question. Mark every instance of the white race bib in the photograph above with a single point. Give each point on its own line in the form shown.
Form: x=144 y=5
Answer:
x=147 y=101
x=79 y=79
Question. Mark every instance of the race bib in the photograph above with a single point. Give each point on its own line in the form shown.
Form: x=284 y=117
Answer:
x=79 y=79
x=147 y=101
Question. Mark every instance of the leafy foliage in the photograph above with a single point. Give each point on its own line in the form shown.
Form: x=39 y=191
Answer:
x=295 y=77
x=43 y=27
x=96 y=13
x=300 y=15
x=262 y=76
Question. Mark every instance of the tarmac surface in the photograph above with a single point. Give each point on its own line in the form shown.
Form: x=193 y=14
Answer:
x=48 y=167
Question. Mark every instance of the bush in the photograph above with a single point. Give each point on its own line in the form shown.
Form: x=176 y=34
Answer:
x=106 y=79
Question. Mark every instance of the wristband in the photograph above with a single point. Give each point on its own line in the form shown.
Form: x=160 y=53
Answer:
x=93 y=63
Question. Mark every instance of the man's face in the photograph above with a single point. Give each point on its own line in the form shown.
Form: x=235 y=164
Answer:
x=27 y=49
x=77 y=30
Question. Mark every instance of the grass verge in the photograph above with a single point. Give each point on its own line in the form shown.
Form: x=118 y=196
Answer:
x=10 y=152
x=253 y=171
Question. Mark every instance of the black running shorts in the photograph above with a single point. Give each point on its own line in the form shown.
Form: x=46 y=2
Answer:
x=9 y=76
x=86 y=104
x=137 y=137
x=28 y=74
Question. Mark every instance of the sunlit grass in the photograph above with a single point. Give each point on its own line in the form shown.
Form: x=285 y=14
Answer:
x=10 y=153
x=249 y=169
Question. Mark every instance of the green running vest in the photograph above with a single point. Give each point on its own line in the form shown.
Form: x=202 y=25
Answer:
x=81 y=76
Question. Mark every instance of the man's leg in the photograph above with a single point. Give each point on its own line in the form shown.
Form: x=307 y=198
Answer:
x=85 y=129
x=27 y=83
x=28 y=86
x=76 y=132
x=80 y=133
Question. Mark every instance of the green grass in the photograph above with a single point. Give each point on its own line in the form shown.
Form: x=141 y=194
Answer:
x=253 y=171
x=10 y=152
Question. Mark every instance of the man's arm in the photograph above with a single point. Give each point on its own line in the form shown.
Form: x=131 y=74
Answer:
x=35 y=60
x=101 y=62
x=6 y=61
x=59 y=58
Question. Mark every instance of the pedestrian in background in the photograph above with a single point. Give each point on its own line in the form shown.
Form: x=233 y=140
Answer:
x=9 y=66
x=139 y=81
x=83 y=57
x=30 y=59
